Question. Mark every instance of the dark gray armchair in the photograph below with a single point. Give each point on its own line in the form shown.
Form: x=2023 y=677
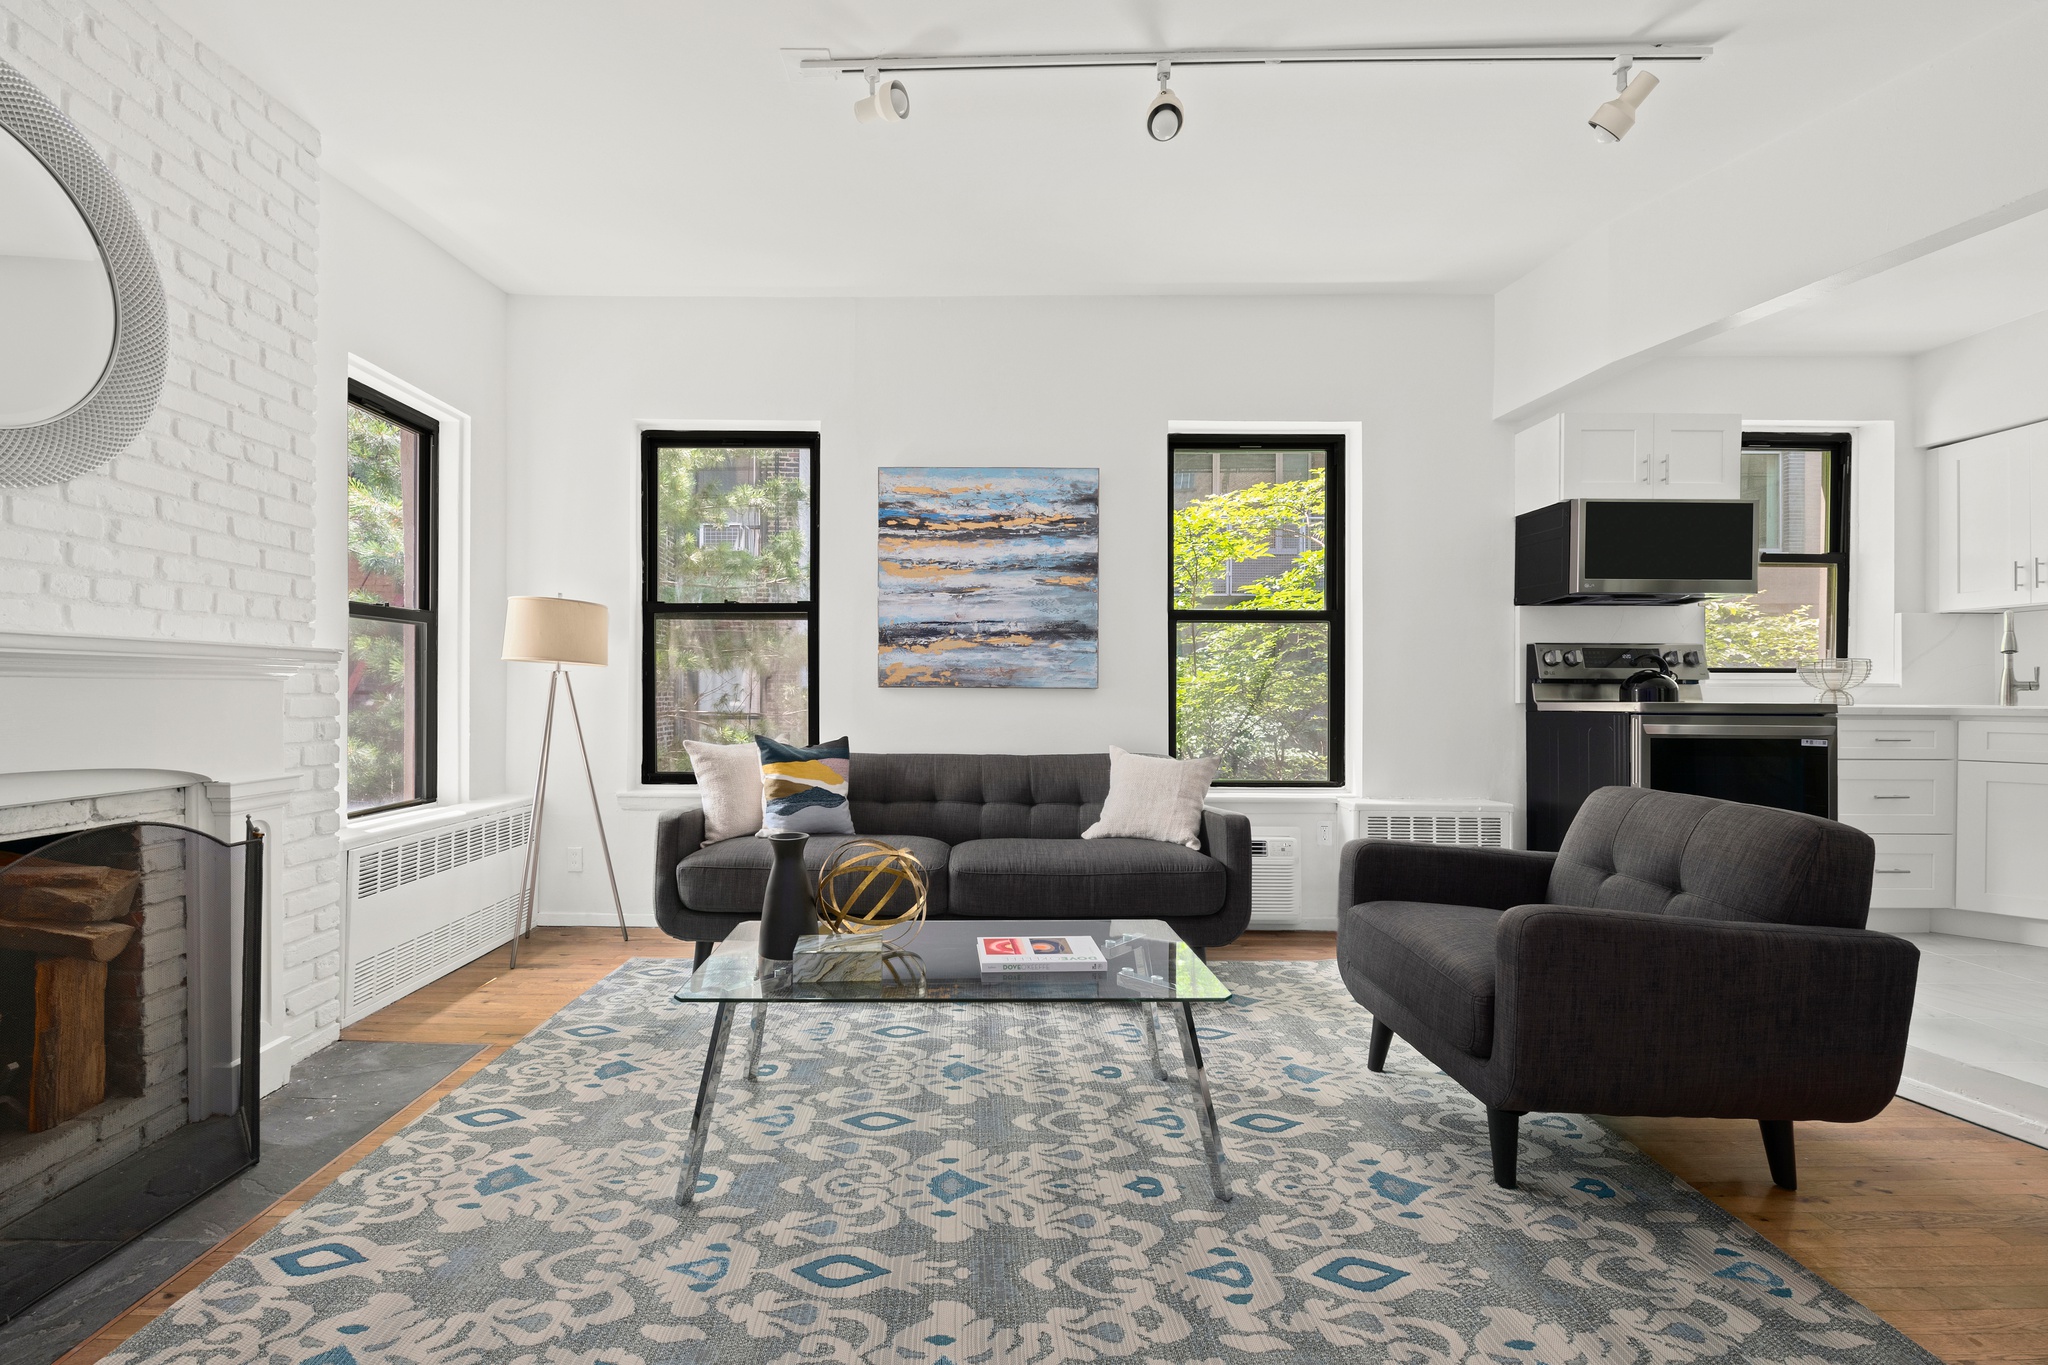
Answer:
x=1678 y=956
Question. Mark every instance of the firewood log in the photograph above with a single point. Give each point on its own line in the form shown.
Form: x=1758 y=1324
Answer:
x=38 y=889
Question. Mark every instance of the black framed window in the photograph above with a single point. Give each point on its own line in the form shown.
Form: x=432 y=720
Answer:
x=391 y=608
x=1255 y=606
x=729 y=610
x=1800 y=610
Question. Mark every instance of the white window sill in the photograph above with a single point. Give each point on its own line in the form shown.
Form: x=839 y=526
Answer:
x=677 y=796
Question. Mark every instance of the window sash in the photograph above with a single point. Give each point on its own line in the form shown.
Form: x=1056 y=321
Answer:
x=1837 y=446
x=1330 y=614
x=426 y=616
x=654 y=609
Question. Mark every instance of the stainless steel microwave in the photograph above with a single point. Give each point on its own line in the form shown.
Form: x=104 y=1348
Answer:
x=1641 y=550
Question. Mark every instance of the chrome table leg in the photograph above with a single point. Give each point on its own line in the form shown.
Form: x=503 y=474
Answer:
x=1191 y=1050
x=1150 y=1013
x=707 y=1097
x=755 y=1030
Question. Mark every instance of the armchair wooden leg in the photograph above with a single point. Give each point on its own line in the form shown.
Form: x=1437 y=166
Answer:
x=1376 y=1051
x=1778 y=1149
x=1503 y=1133
x=702 y=949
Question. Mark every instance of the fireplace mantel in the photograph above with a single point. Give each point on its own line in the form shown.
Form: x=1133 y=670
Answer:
x=78 y=703
x=106 y=656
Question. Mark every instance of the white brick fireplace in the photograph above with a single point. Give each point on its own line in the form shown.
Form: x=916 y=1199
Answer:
x=93 y=729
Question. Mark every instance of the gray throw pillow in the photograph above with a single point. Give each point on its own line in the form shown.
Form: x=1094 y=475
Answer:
x=1154 y=798
x=729 y=781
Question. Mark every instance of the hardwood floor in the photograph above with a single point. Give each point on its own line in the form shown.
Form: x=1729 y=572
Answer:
x=1938 y=1226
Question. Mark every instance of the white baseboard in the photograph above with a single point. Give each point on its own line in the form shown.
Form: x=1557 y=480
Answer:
x=1325 y=924
x=274 y=1062
x=2003 y=1104
x=1997 y=928
x=609 y=919
x=1962 y=924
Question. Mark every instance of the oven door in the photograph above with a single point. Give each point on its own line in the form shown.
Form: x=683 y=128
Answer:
x=1789 y=764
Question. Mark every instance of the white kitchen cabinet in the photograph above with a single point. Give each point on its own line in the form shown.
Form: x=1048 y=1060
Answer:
x=2002 y=838
x=1992 y=521
x=1696 y=455
x=1857 y=737
x=1913 y=872
x=1896 y=796
x=2021 y=739
x=1628 y=455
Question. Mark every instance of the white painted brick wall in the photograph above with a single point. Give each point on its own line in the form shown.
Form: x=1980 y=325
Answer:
x=203 y=529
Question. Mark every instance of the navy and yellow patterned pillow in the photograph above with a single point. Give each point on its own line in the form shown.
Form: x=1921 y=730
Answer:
x=804 y=789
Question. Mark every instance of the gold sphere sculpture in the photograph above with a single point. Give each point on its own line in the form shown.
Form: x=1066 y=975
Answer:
x=866 y=886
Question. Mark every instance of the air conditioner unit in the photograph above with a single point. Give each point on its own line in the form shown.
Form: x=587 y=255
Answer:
x=1276 y=877
x=1466 y=824
x=421 y=904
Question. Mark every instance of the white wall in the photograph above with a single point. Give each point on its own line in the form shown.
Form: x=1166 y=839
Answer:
x=1985 y=383
x=1044 y=381
x=394 y=299
x=203 y=529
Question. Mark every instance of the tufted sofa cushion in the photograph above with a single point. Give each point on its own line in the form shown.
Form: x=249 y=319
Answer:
x=957 y=798
x=1665 y=853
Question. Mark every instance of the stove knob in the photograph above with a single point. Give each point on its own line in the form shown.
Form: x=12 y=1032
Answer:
x=1692 y=658
x=1551 y=658
x=1573 y=658
x=1671 y=658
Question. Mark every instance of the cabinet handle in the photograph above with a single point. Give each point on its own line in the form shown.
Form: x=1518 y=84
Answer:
x=1882 y=796
x=1884 y=740
x=1894 y=871
x=2037 y=571
x=2019 y=574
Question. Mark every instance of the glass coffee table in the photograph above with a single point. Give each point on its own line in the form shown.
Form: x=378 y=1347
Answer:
x=1148 y=967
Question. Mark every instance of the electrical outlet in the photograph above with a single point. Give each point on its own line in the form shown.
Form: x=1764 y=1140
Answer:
x=576 y=857
x=1323 y=828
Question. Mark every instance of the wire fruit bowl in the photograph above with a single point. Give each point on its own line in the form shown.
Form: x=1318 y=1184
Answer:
x=1834 y=677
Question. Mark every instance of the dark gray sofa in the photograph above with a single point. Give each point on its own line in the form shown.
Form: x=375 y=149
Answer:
x=1677 y=956
x=1000 y=838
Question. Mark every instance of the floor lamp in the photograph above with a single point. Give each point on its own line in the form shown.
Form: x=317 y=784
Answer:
x=558 y=631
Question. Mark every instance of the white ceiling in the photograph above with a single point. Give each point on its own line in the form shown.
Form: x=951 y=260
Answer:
x=1986 y=281
x=654 y=147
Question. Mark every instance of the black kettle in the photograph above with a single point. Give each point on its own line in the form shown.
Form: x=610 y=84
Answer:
x=1650 y=684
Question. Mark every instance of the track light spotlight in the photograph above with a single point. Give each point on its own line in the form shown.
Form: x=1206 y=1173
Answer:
x=1164 y=116
x=886 y=102
x=1612 y=120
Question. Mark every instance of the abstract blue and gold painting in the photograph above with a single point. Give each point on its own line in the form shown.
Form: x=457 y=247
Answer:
x=988 y=577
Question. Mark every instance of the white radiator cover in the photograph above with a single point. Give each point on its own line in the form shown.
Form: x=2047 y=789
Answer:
x=1465 y=824
x=1276 y=875
x=419 y=904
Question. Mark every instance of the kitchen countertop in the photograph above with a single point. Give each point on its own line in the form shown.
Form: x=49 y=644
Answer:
x=1980 y=711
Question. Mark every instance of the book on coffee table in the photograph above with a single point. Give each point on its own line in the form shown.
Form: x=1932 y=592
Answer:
x=1013 y=954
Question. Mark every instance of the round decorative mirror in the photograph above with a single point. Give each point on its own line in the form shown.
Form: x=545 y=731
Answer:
x=82 y=344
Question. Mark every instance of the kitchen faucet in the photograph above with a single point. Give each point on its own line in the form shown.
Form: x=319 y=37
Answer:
x=2009 y=686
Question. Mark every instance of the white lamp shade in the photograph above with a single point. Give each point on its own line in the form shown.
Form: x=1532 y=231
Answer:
x=555 y=630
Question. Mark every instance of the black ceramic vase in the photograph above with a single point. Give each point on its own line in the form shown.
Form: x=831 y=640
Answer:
x=788 y=911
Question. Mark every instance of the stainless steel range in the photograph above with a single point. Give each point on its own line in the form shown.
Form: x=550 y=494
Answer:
x=1602 y=716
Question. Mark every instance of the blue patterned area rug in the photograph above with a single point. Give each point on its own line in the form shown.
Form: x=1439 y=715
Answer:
x=983 y=1185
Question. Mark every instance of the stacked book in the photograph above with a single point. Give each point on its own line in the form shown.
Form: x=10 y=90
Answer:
x=1012 y=954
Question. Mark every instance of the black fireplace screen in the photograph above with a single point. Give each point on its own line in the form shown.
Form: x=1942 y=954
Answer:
x=130 y=994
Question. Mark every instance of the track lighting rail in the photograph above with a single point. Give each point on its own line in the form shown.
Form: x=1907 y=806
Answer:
x=1571 y=52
